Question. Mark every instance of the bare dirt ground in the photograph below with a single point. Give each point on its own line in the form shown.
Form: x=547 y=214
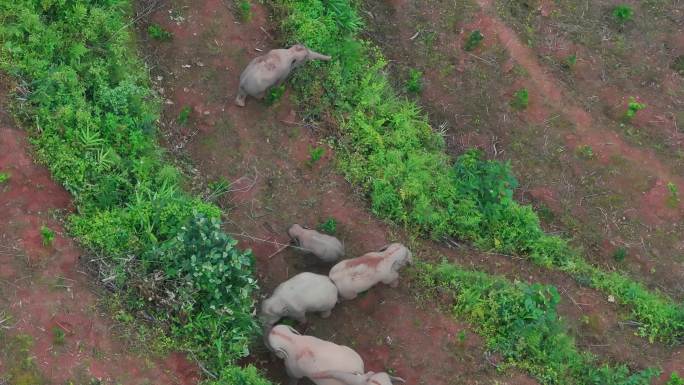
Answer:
x=52 y=329
x=265 y=151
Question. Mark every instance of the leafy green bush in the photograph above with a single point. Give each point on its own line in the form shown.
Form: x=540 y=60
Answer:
x=158 y=32
x=570 y=61
x=315 y=154
x=239 y=376
x=184 y=115
x=47 y=235
x=620 y=254
x=622 y=14
x=632 y=107
x=521 y=99
x=329 y=226
x=474 y=40
x=389 y=149
x=274 y=94
x=244 y=10
x=92 y=115
x=4 y=177
x=675 y=379
x=414 y=83
x=521 y=322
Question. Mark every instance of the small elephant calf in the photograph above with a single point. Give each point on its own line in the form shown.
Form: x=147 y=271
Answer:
x=305 y=292
x=327 y=248
x=355 y=275
x=370 y=378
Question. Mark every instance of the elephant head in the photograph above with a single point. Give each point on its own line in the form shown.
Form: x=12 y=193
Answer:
x=281 y=339
x=272 y=309
x=300 y=55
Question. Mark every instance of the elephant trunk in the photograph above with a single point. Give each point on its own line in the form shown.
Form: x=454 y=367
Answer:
x=317 y=56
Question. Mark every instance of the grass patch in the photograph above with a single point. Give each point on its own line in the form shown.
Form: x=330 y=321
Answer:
x=414 y=83
x=675 y=379
x=157 y=32
x=673 y=195
x=474 y=40
x=92 y=119
x=620 y=254
x=315 y=154
x=47 y=235
x=19 y=365
x=244 y=10
x=274 y=94
x=4 y=177
x=633 y=106
x=388 y=148
x=58 y=336
x=622 y=14
x=521 y=322
x=329 y=226
x=184 y=115
x=520 y=99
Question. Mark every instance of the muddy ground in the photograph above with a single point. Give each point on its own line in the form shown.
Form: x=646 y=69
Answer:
x=614 y=197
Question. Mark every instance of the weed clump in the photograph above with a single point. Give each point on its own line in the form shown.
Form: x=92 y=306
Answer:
x=244 y=10
x=4 y=177
x=47 y=235
x=585 y=151
x=678 y=64
x=414 y=83
x=620 y=254
x=58 y=336
x=569 y=62
x=315 y=154
x=622 y=14
x=274 y=94
x=675 y=379
x=184 y=115
x=329 y=226
x=632 y=108
x=673 y=195
x=158 y=32
x=474 y=40
x=520 y=100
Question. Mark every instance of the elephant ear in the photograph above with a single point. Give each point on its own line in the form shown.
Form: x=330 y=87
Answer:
x=384 y=248
x=293 y=330
x=397 y=380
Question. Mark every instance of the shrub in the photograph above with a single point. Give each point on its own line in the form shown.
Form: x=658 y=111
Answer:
x=47 y=235
x=632 y=107
x=521 y=99
x=315 y=154
x=184 y=115
x=274 y=94
x=329 y=226
x=414 y=83
x=675 y=379
x=570 y=61
x=158 y=32
x=244 y=10
x=622 y=14
x=4 y=177
x=474 y=40
x=239 y=376
x=620 y=254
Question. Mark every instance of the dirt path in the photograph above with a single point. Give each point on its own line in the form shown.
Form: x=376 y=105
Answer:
x=49 y=314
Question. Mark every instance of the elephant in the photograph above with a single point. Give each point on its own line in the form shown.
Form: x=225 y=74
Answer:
x=327 y=248
x=272 y=69
x=355 y=275
x=305 y=292
x=370 y=378
x=306 y=355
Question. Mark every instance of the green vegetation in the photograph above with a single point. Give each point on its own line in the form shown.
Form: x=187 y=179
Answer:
x=91 y=115
x=585 y=151
x=673 y=197
x=414 y=83
x=315 y=154
x=47 y=235
x=217 y=189
x=632 y=107
x=620 y=254
x=389 y=149
x=4 y=177
x=520 y=99
x=19 y=364
x=329 y=226
x=184 y=115
x=244 y=9
x=622 y=14
x=274 y=94
x=474 y=40
x=570 y=61
x=521 y=322
x=158 y=32
x=58 y=336
x=675 y=379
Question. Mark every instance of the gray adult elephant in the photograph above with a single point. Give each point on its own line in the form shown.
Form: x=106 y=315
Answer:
x=272 y=69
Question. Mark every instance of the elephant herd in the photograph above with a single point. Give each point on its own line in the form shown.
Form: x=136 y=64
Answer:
x=324 y=362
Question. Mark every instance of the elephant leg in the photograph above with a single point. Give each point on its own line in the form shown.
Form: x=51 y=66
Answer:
x=240 y=98
x=348 y=295
x=326 y=314
x=260 y=95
